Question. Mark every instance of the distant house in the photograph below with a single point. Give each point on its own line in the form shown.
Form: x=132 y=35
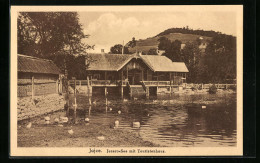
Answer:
x=37 y=76
x=135 y=69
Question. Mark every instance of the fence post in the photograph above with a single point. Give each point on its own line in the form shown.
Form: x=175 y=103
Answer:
x=32 y=87
x=57 y=86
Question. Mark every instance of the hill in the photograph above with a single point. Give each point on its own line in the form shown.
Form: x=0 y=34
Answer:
x=152 y=42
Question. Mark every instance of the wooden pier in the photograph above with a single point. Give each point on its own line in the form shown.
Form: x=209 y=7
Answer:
x=144 y=87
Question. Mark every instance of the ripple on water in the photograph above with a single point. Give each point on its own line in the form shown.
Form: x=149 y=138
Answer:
x=167 y=120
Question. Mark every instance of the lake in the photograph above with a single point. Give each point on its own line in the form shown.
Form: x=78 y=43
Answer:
x=177 y=120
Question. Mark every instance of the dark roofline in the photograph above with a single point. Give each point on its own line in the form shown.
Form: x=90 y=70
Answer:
x=48 y=62
x=27 y=56
x=134 y=55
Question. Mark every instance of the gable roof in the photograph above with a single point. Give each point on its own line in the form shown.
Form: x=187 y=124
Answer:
x=163 y=64
x=114 y=62
x=108 y=62
x=36 y=65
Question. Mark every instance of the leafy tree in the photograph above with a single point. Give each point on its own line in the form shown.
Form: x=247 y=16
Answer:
x=191 y=57
x=164 y=43
x=52 y=35
x=152 y=51
x=117 y=49
x=132 y=43
x=221 y=58
x=172 y=49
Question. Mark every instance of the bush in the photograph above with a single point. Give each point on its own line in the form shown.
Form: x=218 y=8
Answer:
x=213 y=89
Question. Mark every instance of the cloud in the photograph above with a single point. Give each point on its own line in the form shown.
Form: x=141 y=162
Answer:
x=110 y=29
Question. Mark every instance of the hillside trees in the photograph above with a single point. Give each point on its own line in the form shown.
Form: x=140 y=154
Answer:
x=172 y=49
x=53 y=35
x=216 y=65
x=191 y=57
x=221 y=59
x=132 y=43
x=187 y=30
x=152 y=51
x=117 y=49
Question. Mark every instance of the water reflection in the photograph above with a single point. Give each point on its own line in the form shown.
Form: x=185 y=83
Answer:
x=175 y=120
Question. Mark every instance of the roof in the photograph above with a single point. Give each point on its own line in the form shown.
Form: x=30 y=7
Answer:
x=36 y=65
x=108 y=62
x=163 y=64
x=114 y=62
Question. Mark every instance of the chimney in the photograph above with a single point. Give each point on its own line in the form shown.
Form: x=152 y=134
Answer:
x=102 y=50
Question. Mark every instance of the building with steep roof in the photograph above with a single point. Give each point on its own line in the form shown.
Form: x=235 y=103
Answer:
x=37 y=76
x=134 y=70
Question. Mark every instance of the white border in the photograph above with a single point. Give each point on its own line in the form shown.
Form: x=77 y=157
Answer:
x=170 y=151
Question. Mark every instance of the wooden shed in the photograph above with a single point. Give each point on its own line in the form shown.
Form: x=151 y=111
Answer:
x=37 y=76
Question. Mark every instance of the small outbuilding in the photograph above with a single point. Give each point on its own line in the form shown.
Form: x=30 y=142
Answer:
x=37 y=76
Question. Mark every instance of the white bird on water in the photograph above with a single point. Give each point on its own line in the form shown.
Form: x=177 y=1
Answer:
x=47 y=118
x=29 y=125
x=116 y=123
x=70 y=131
x=119 y=111
x=56 y=120
x=110 y=109
x=101 y=138
x=136 y=124
x=86 y=119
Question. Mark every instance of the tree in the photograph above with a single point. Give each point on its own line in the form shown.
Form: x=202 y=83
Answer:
x=132 y=43
x=152 y=51
x=172 y=49
x=52 y=35
x=164 y=43
x=117 y=49
x=221 y=58
x=192 y=57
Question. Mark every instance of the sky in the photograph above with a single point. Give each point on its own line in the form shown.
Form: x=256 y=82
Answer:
x=109 y=28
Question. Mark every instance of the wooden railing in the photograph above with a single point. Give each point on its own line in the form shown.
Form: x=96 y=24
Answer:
x=99 y=82
x=156 y=83
x=147 y=84
x=207 y=86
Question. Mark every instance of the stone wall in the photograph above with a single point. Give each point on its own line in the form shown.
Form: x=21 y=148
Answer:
x=28 y=108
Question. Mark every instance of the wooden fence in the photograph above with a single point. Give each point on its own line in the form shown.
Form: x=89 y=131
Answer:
x=207 y=86
x=98 y=83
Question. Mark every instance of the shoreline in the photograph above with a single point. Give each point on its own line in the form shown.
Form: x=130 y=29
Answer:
x=86 y=134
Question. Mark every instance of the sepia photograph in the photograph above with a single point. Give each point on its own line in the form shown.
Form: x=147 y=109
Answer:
x=126 y=80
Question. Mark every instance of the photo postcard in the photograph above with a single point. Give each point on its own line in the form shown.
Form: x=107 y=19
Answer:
x=126 y=80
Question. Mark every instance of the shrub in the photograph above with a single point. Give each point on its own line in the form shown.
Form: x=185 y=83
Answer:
x=213 y=89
